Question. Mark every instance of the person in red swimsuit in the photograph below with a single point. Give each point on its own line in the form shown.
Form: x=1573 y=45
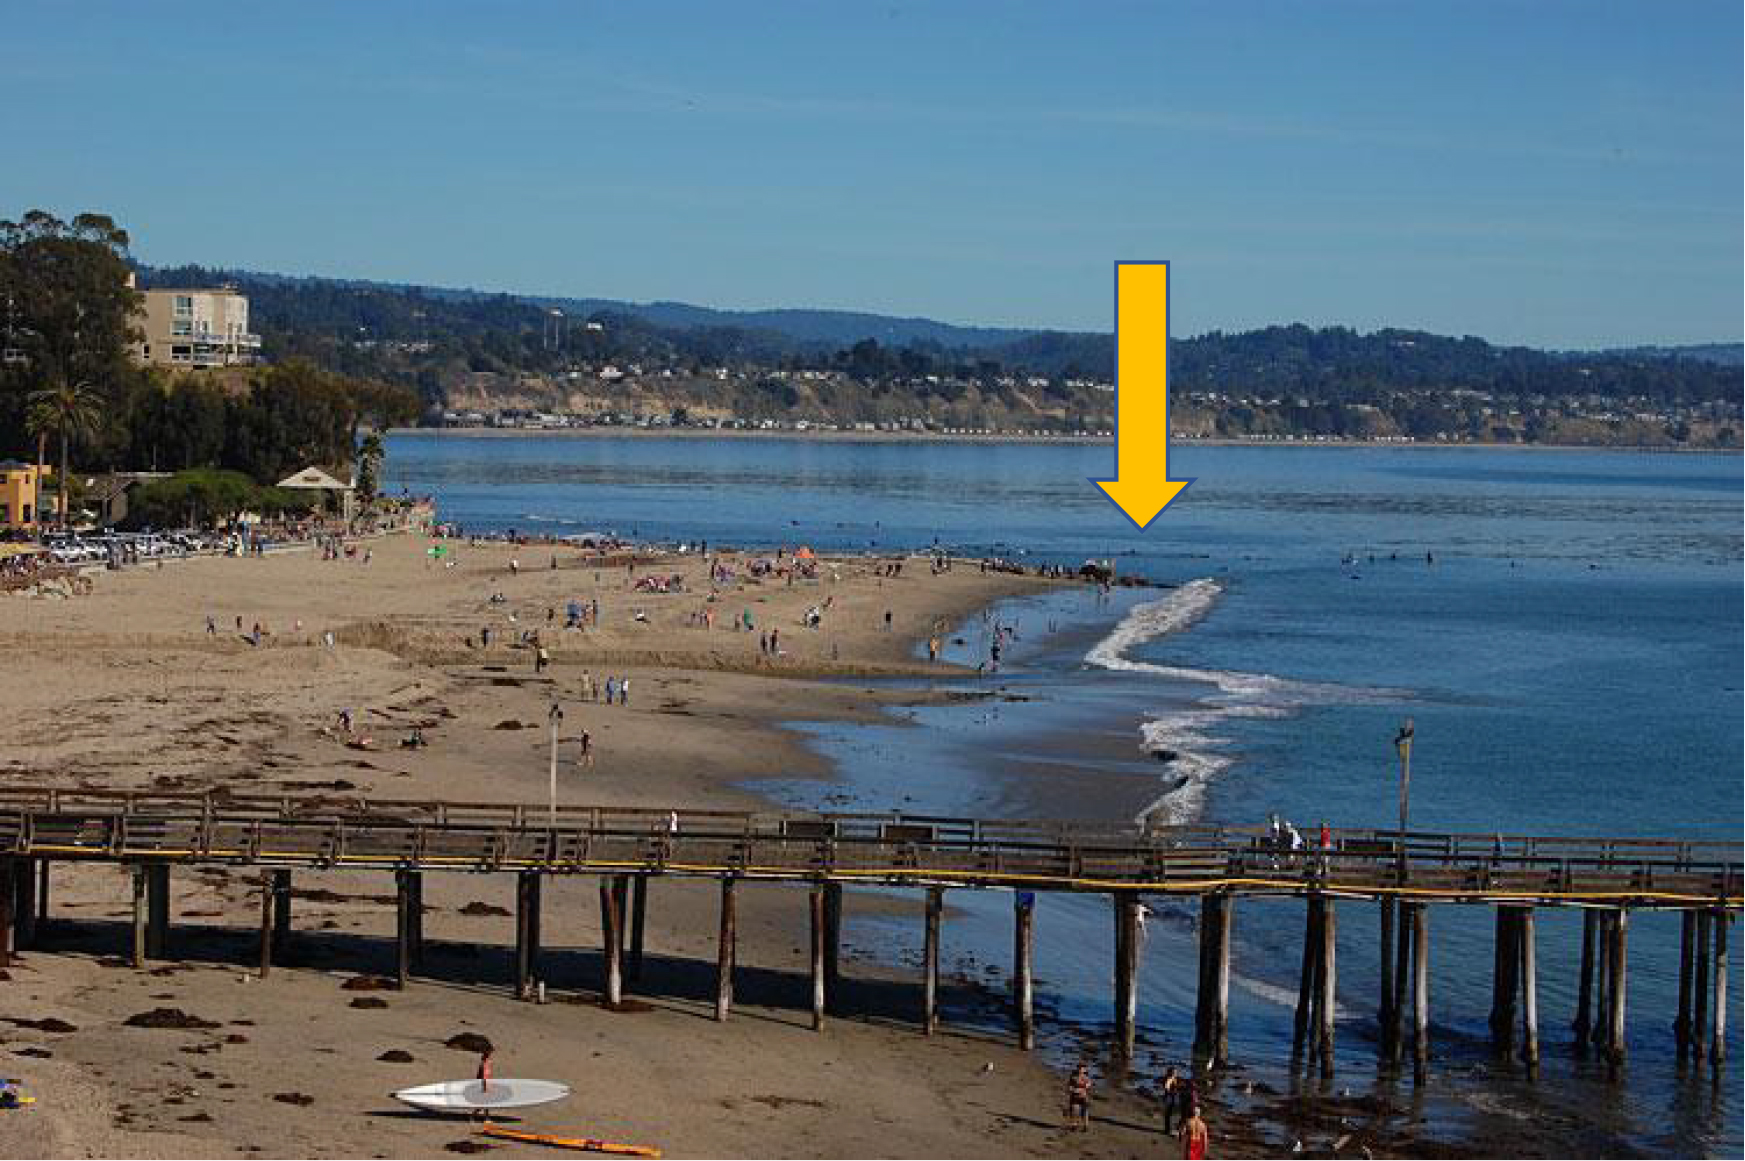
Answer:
x=1194 y=1136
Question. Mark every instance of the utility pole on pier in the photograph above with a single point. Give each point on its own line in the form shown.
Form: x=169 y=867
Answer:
x=1403 y=746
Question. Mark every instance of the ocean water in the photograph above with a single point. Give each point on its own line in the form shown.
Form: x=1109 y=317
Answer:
x=1564 y=628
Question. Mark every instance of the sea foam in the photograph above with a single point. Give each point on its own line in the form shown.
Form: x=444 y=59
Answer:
x=1185 y=739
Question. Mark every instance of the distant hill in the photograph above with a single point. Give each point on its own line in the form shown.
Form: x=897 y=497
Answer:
x=821 y=328
x=1720 y=354
x=468 y=350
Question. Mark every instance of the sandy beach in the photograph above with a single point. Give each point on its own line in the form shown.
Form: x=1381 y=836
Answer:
x=128 y=688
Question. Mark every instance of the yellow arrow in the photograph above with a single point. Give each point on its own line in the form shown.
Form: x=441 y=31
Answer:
x=1141 y=487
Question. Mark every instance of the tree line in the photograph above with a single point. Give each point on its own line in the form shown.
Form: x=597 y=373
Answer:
x=68 y=321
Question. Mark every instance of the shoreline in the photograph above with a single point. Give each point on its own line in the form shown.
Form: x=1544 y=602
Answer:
x=1177 y=442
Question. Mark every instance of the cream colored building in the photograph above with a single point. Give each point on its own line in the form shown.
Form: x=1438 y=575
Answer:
x=195 y=328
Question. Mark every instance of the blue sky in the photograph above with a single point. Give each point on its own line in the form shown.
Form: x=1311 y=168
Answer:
x=1564 y=174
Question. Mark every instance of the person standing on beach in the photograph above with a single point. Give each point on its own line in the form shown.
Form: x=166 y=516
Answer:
x=1078 y=1098
x=1168 y=1096
x=624 y=692
x=587 y=754
x=1195 y=1136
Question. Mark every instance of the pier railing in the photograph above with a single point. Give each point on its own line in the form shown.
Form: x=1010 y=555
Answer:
x=353 y=831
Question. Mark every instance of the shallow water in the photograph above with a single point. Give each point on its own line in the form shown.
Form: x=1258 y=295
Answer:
x=1563 y=627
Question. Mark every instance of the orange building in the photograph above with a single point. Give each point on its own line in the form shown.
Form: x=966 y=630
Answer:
x=20 y=486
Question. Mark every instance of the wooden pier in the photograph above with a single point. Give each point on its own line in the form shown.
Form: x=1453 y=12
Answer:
x=1403 y=873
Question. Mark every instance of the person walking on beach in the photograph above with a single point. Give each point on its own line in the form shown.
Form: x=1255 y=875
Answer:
x=624 y=691
x=1168 y=1096
x=1195 y=1136
x=1078 y=1098
x=587 y=752
x=540 y=659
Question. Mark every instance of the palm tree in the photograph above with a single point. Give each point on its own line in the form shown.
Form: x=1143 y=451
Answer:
x=68 y=409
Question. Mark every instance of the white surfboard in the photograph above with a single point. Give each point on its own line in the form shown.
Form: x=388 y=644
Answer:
x=467 y=1095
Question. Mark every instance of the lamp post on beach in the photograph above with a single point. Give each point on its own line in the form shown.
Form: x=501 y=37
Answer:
x=555 y=717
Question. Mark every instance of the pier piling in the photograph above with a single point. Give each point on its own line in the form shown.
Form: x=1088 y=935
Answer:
x=42 y=867
x=1396 y=1040
x=8 y=899
x=930 y=962
x=1681 y=1026
x=1420 y=991
x=24 y=904
x=1328 y=980
x=1221 y=1013
x=266 y=934
x=527 y=916
x=727 y=950
x=1126 y=972
x=1505 y=976
x=1023 y=979
x=1718 y=1045
x=1700 y=990
x=157 y=902
x=1387 y=1026
x=139 y=916
x=408 y=924
x=638 y=919
x=1306 y=981
x=281 y=913
x=833 y=945
x=612 y=939
x=1582 y=1024
x=818 y=987
x=1600 y=1037
x=1620 y=985
x=1525 y=937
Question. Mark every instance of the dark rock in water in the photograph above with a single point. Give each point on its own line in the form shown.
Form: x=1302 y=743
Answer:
x=468 y=1042
x=300 y=1099
x=368 y=1002
x=1166 y=755
x=167 y=1018
x=46 y=1024
x=370 y=984
x=396 y=1056
x=478 y=908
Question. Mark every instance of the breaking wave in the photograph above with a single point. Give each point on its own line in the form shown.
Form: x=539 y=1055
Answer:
x=1185 y=740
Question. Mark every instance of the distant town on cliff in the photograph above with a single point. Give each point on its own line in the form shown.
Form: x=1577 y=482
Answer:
x=483 y=359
